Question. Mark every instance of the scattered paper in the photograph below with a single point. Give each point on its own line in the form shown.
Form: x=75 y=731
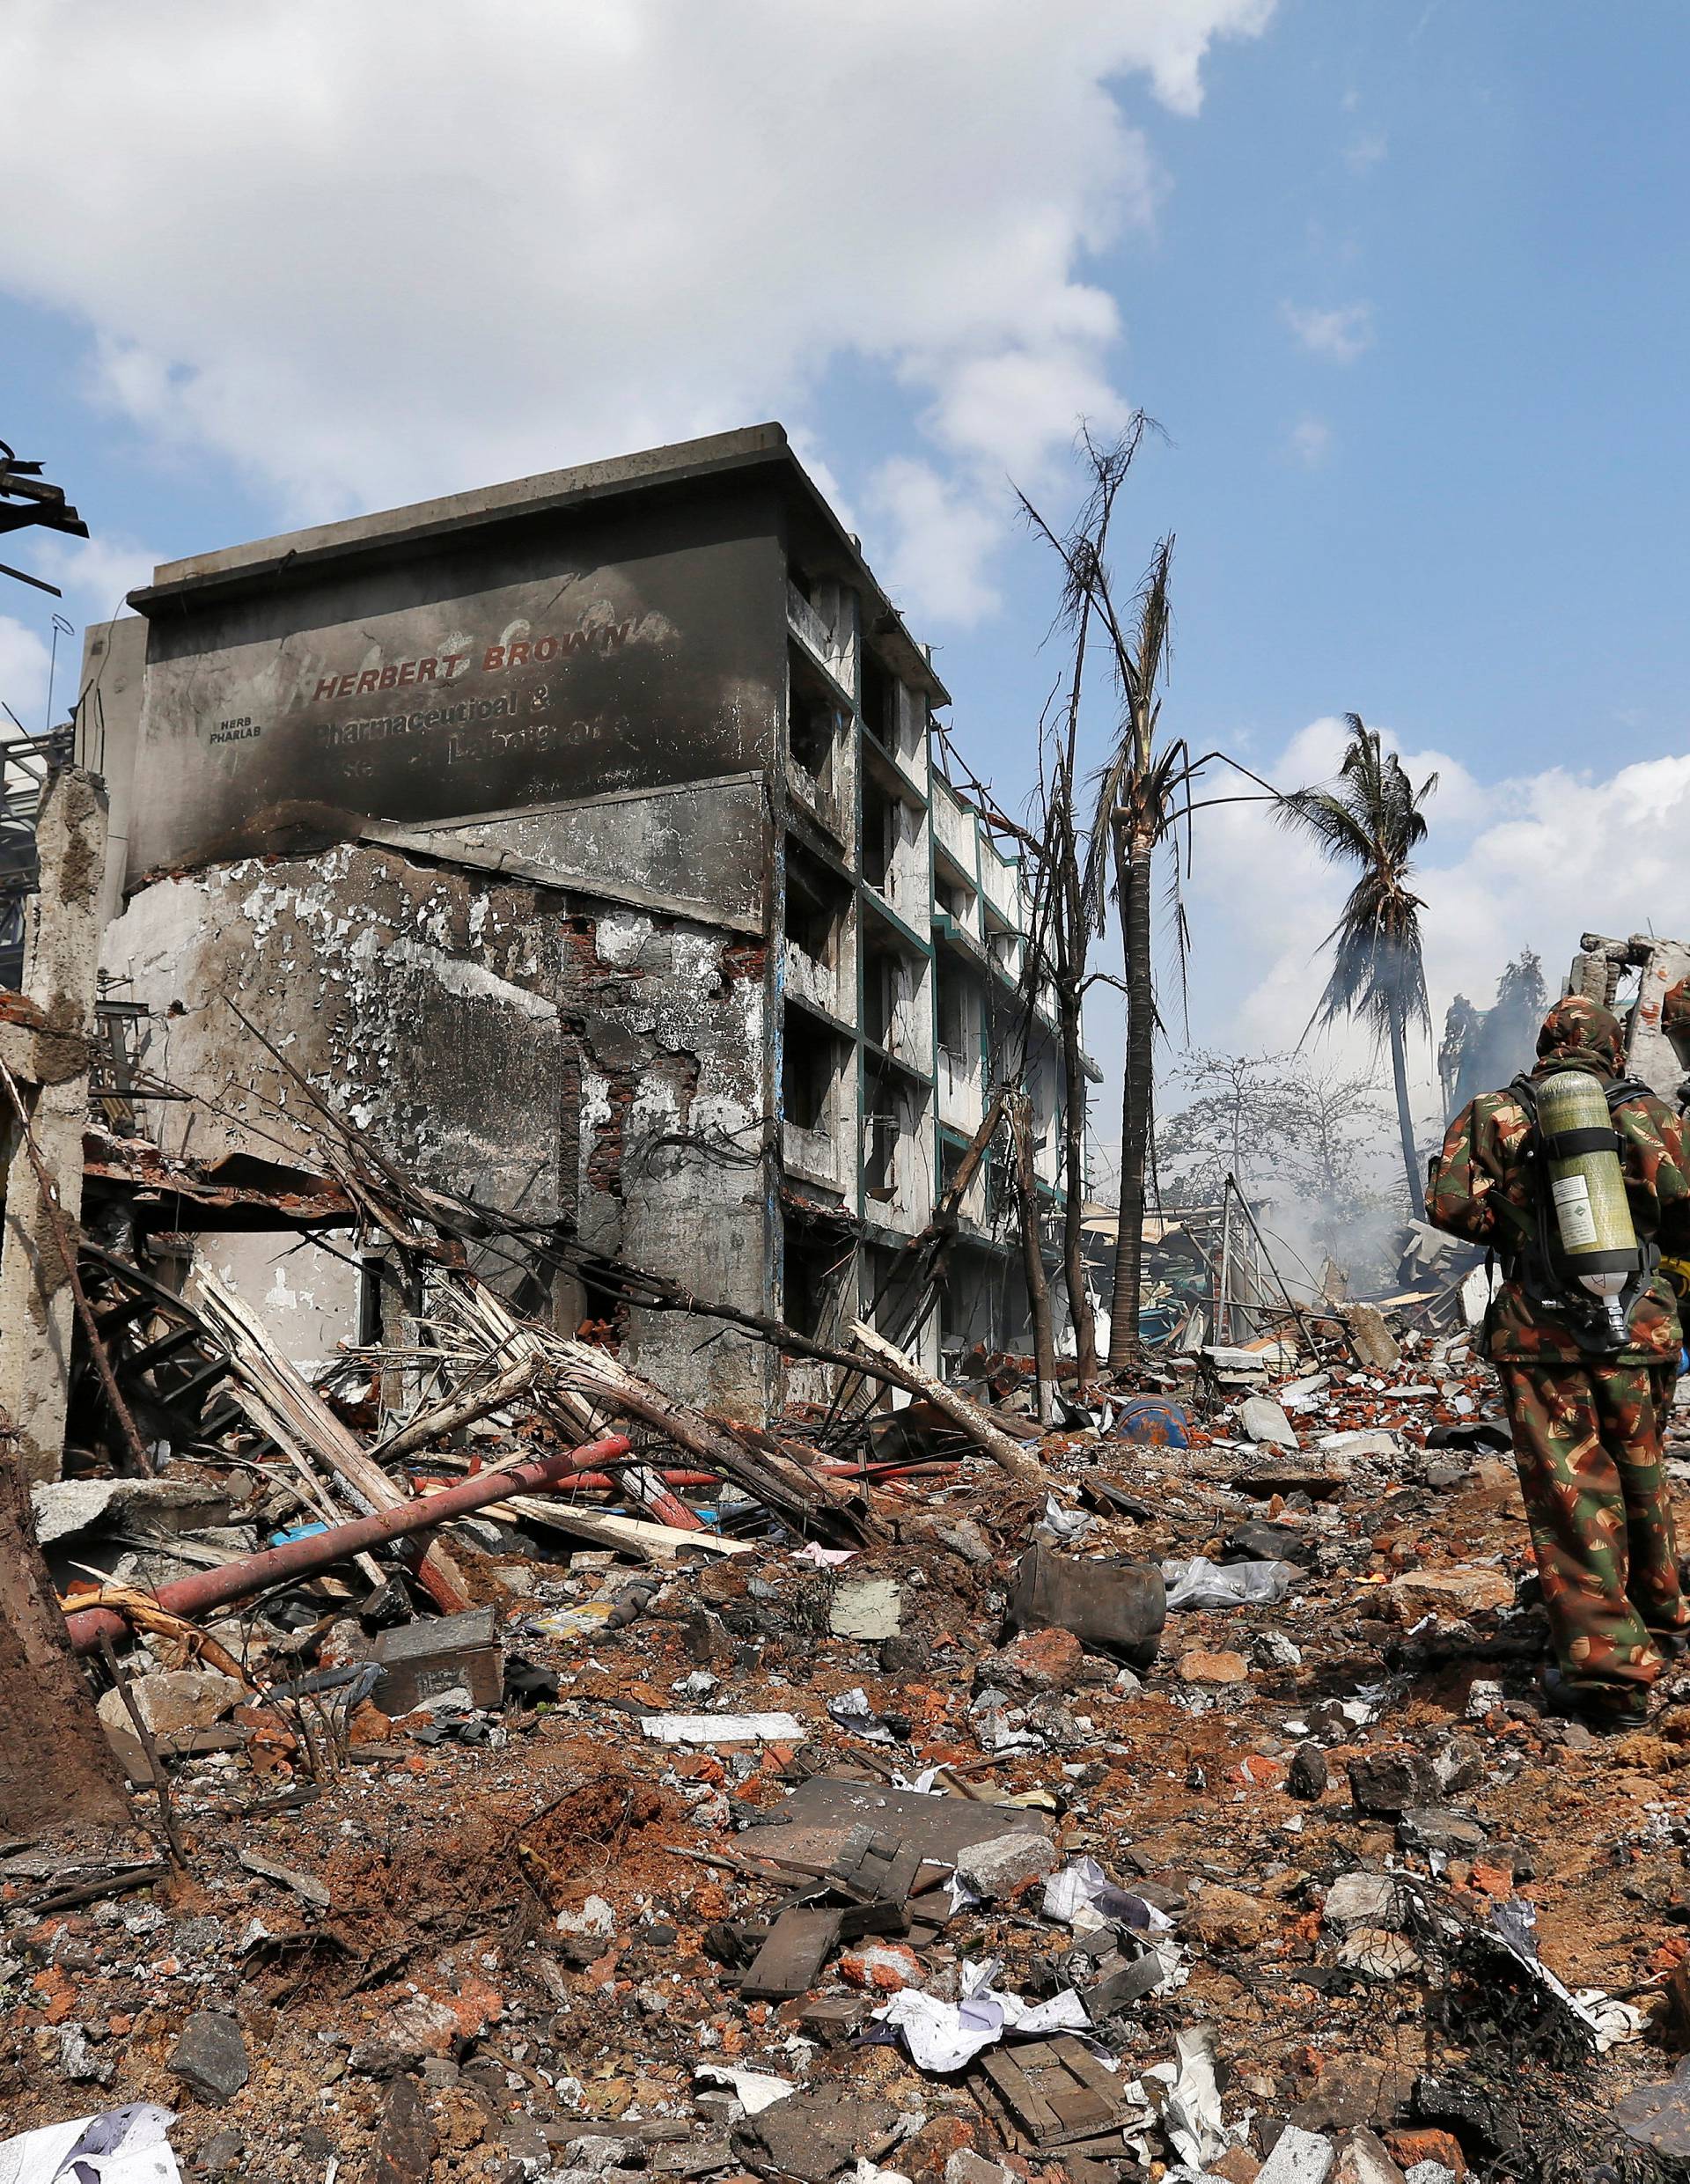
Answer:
x=1083 y=1896
x=1191 y=2106
x=852 y=1712
x=128 y=2145
x=722 y=1728
x=753 y=2089
x=942 y=2036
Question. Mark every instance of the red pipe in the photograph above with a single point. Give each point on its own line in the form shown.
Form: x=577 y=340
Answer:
x=303 y=1558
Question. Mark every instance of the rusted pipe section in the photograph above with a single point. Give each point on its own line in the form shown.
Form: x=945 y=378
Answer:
x=303 y=1558
x=602 y=1482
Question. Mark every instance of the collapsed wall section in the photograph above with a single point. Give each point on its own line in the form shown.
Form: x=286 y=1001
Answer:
x=575 y=1062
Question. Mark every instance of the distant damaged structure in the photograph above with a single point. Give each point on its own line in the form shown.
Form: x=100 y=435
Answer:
x=581 y=841
x=1601 y=969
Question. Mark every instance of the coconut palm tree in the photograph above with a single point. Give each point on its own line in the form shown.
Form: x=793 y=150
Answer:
x=1372 y=819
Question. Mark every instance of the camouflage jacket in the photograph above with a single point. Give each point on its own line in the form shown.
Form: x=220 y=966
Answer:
x=1481 y=1189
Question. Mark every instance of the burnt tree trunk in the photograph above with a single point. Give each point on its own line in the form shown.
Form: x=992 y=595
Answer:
x=1406 y=1119
x=1079 y=1296
x=56 y=1768
x=1027 y=1195
x=1136 y=1088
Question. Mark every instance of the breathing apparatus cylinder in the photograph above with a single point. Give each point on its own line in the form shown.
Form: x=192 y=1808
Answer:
x=1581 y=1155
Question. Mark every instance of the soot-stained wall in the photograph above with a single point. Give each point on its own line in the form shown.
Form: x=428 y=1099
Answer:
x=541 y=658
x=570 y=1060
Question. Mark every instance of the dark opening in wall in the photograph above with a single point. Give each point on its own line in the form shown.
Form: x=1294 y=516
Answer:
x=879 y=702
x=879 y=997
x=814 y=722
x=815 y=906
x=882 y=1129
x=818 y=1262
x=879 y=833
x=953 y=1014
x=810 y=1058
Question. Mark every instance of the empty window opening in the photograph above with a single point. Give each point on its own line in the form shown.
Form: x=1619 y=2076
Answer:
x=953 y=1017
x=880 y=834
x=815 y=902
x=817 y=1265
x=809 y=1069
x=879 y=702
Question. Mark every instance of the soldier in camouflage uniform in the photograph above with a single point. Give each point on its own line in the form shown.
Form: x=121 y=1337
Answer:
x=1587 y=1428
x=1675 y=1022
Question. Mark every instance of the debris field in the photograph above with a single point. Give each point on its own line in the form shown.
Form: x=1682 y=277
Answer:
x=1183 y=1806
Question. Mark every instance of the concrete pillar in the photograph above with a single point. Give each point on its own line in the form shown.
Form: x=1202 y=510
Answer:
x=61 y=978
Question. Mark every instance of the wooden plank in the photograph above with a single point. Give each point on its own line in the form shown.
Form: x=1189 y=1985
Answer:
x=792 y=1960
x=900 y=1874
x=259 y=1367
x=1029 y=2106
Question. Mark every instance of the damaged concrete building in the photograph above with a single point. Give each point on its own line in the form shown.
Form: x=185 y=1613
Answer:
x=582 y=841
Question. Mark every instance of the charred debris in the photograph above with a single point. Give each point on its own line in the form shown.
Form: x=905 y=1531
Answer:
x=722 y=1711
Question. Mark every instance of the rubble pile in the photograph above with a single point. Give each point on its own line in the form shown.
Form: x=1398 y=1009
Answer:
x=725 y=1811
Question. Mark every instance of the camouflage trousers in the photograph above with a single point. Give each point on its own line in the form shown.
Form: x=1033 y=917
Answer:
x=1587 y=1441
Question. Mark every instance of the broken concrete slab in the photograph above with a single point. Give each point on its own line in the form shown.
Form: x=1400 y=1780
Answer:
x=871 y=1609
x=814 y=2134
x=174 y=1700
x=1374 y=1954
x=1370 y=1338
x=1263 y=1419
x=62 y=1508
x=1363 y=1899
x=1299 y=2158
x=1004 y=1863
x=1449 y=1595
x=1361 y=1442
x=817 y=1818
x=1434 y=1828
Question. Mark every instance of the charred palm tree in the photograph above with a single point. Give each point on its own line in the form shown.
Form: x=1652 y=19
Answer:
x=1145 y=791
x=1372 y=819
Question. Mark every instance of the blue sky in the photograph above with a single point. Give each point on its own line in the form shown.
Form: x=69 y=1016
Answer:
x=1405 y=285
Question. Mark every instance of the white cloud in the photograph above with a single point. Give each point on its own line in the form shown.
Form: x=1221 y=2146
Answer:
x=1528 y=862
x=945 y=533
x=23 y=675
x=371 y=252
x=1364 y=153
x=1310 y=442
x=95 y=575
x=1341 y=335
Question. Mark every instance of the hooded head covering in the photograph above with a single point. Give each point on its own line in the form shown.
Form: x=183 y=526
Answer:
x=1581 y=1034
x=1675 y=1018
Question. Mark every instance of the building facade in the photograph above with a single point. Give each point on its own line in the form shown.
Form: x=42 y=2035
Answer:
x=581 y=841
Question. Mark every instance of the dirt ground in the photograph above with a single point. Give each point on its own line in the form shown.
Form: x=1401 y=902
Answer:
x=526 y=1932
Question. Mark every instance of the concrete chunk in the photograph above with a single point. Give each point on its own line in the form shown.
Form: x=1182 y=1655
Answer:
x=1261 y=1418
x=1003 y=1864
x=1300 y=2158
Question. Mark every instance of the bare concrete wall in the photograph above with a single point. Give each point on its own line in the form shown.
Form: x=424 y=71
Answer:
x=604 y=1067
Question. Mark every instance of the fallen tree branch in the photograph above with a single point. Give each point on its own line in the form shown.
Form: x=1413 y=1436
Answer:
x=1007 y=1454
x=459 y=1411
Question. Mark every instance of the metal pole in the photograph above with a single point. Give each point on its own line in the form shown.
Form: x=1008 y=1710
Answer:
x=303 y=1558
